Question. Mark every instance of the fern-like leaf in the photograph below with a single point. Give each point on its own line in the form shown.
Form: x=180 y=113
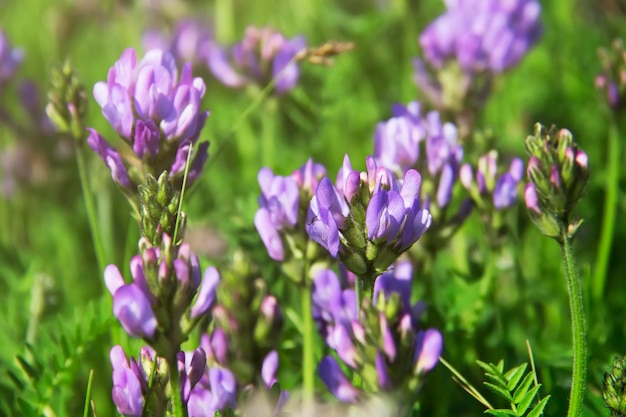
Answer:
x=514 y=386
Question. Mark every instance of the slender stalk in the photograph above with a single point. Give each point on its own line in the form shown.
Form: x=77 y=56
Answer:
x=579 y=371
x=308 y=353
x=178 y=409
x=90 y=208
x=88 y=394
x=268 y=138
x=610 y=209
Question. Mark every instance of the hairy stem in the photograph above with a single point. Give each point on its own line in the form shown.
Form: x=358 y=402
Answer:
x=608 y=217
x=574 y=290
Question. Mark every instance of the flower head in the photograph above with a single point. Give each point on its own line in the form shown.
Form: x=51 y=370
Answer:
x=487 y=187
x=156 y=112
x=166 y=279
x=482 y=35
x=557 y=173
x=369 y=218
x=261 y=56
x=383 y=343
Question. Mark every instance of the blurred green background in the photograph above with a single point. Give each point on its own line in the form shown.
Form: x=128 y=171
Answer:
x=49 y=275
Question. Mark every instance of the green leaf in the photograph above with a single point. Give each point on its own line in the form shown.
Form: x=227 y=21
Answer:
x=488 y=367
x=500 y=366
x=501 y=413
x=499 y=390
x=28 y=369
x=499 y=379
x=514 y=375
x=523 y=388
x=527 y=400
x=538 y=410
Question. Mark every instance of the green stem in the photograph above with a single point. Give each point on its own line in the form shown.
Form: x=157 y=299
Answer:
x=268 y=139
x=308 y=353
x=358 y=287
x=91 y=209
x=608 y=218
x=578 y=327
x=178 y=409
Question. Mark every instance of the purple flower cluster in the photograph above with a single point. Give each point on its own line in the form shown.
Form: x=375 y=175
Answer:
x=191 y=41
x=351 y=335
x=486 y=182
x=10 y=58
x=397 y=144
x=612 y=79
x=280 y=202
x=372 y=206
x=136 y=304
x=131 y=378
x=218 y=387
x=157 y=113
x=262 y=55
x=482 y=35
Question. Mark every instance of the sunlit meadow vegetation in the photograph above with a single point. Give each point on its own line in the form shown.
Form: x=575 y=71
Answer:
x=466 y=258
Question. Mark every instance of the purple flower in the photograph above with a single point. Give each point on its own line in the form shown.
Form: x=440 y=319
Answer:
x=427 y=350
x=216 y=391
x=191 y=41
x=206 y=295
x=280 y=202
x=262 y=55
x=502 y=190
x=278 y=210
x=131 y=305
x=110 y=157
x=191 y=366
x=308 y=177
x=137 y=304
x=397 y=146
x=269 y=368
x=333 y=377
x=482 y=35
x=10 y=58
x=155 y=111
x=129 y=384
x=393 y=217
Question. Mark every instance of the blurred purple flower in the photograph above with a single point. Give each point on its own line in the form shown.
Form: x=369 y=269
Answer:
x=216 y=391
x=154 y=110
x=502 y=190
x=10 y=58
x=278 y=210
x=397 y=145
x=280 y=202
x=190 y=41
x=262 y=55
x=482 y=35
x=333 y=377
x=427 y=350
x=269 y=368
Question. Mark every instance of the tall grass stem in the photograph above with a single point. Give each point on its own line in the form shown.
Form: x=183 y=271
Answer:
x=90 y=207
x=608 y=216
